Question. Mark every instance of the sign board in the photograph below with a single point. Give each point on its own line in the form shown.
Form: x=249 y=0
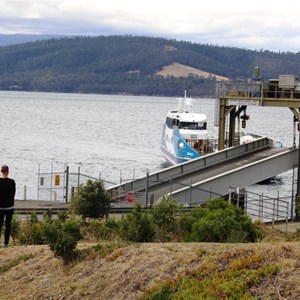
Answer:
x=57 y=180
x=130 y=197
x=243 y=102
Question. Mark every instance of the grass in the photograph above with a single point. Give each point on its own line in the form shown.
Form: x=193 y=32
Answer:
x=15 y=262
x=236 y=274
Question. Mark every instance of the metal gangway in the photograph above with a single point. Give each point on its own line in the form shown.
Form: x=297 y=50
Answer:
x=210 y=176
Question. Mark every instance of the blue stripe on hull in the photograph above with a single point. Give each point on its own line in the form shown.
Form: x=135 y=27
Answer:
x=172 y=158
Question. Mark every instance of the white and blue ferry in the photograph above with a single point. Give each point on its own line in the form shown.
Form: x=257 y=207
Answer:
x=185 y=135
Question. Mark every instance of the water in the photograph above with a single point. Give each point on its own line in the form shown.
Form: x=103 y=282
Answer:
x=115 y=137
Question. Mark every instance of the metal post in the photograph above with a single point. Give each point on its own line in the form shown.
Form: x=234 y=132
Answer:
x=277 y=210
x=25 y=192
x=292 y=200
x=133 y=179
x=298 y=177
x=278 y=198
x=259 y=209
x=51 y=182
x=191 y=192
x=67 y=184
x=287 y=216
x=147 y=188
x=273 y=216
x=229 y=195
x=78 y=179
x=171 y=182
x=262 y=207
x=38 y=191
x=119 y=189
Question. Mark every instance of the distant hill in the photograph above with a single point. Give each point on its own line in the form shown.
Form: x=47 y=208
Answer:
x=133 y=65
x=13 y=39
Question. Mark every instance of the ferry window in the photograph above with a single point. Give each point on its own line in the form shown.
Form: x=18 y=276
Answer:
x=193 y=125
x=171 y=122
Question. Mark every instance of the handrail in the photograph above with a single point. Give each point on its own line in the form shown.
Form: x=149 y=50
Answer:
x=194 y=165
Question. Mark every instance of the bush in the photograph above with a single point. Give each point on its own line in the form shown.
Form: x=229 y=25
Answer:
x=91 y=200
x=164 y=217
x=32 y=231
x=221 y=221
x=62 y=238
x=15 y=227
x=104 y=230
x=137 y=226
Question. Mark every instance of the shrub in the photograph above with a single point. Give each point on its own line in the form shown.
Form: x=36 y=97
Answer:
x=32 y=231
x=62 y=238
x=164 y=217
x=91 y=200
x=137 y=226
x=104 y=230
x=15 y=227
x=221 y=221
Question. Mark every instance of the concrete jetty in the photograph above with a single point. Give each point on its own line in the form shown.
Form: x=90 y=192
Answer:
x=40 y=206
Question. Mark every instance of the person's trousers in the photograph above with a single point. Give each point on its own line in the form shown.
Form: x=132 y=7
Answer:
x=7 y=214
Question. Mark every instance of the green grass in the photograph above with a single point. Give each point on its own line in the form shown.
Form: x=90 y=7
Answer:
x=230 y=276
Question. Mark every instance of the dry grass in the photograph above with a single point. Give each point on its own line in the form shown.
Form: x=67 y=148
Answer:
x=179 y=70
x=128 y=272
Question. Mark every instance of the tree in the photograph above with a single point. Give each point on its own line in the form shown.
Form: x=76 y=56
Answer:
x=91 y=200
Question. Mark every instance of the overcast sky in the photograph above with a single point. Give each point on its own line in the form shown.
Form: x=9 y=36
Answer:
x=255 y=24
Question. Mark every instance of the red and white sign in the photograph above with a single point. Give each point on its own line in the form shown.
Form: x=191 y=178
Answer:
x=130 y=197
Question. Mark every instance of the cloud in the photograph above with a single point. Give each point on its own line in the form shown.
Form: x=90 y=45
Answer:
x=254 y=25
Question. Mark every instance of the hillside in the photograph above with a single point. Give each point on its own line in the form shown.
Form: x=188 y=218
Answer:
x=179 y=70
x=129 y=271
x=133 y=65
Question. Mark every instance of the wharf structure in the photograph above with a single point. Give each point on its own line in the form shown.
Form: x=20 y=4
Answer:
x=234 y=165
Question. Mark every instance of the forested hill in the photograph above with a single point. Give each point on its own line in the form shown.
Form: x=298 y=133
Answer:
x=133 y=65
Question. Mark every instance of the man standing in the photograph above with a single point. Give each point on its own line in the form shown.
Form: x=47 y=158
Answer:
x=7 y=201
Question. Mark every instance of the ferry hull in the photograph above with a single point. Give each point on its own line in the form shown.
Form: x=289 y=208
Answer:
x=171 y=158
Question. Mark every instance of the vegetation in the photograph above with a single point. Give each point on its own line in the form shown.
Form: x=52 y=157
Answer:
x=129 y=65
x=220 y=221
x=91 y=200
x=62 y=237
x=15 y=262
x=235 y=275
x=30 y=232
x=137 y=226
x=234 y=271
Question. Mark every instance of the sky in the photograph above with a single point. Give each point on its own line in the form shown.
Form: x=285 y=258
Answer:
x=256 y=24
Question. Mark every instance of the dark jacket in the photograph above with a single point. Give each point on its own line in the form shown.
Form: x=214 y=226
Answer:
x=7 y=192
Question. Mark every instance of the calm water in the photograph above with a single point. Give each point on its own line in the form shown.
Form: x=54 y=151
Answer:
x=109 y=136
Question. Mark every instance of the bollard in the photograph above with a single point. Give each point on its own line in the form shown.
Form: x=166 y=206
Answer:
x=25 y=192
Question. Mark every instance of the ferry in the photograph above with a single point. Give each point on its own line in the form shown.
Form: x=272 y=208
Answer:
x=185 y=135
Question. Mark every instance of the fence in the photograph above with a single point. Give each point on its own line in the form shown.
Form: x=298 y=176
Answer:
x=258 y=206
x=60 y=183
